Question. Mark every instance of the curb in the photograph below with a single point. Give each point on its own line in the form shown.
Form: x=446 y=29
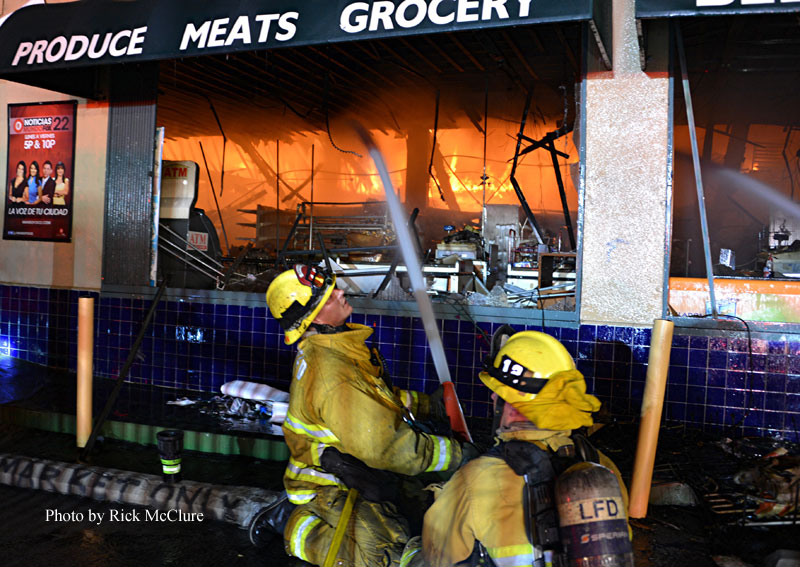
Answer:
x=220 y=443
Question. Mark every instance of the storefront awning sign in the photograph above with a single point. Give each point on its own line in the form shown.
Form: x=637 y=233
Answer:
x=99 y=32
x=672 y=8
x=647 y=10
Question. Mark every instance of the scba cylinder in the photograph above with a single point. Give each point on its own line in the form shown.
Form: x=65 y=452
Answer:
x=592 y=516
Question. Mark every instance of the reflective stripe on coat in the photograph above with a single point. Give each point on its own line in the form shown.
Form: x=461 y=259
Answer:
x=338 y=399
x=483 y=502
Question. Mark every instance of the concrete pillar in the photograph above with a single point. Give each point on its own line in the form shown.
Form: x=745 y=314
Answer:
x=628 y=181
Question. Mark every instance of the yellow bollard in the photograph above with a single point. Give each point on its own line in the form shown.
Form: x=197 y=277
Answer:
x=652 y=405
x=85 y=368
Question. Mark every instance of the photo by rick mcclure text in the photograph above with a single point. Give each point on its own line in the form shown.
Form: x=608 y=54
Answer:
x=123 y=515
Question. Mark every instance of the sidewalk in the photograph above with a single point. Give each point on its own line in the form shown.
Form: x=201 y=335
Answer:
x=669 y=537
x=703 y=535
x=32 y=395
x=127 y=535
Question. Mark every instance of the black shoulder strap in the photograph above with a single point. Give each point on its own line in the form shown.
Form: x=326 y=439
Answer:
x=377 y=360
x=539 y=468
x=584 y=450
x=479 y=558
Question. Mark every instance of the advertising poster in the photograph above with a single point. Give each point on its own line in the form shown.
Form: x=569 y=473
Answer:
x=39 y=182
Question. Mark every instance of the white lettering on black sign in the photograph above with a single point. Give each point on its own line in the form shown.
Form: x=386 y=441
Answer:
x=242 y=31
x=115 y=44
x=709 y=3
x=384 y=15
x=222 y=33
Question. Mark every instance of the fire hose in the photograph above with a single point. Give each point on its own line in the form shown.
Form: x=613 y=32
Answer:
x=453 y=408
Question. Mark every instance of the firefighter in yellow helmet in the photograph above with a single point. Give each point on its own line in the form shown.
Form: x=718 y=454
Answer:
x=483 y=515
x=340 y=405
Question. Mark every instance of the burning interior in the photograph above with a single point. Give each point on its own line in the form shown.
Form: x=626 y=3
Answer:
x=461 y=118
x=742 y=72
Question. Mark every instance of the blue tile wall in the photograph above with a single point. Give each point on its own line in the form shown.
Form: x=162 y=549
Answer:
x=721 y=382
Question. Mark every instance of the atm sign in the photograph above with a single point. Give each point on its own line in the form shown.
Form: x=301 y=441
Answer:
x=198 y=240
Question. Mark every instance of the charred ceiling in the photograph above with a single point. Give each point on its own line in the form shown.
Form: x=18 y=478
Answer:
x=311 y=86
x=744 y=66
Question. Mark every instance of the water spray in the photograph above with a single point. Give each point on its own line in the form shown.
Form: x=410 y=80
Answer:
x=457 y=421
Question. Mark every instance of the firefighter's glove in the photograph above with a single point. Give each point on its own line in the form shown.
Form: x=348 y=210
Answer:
x=562 y=403
x=469 y=451
x=373 y=484
x=437 y=412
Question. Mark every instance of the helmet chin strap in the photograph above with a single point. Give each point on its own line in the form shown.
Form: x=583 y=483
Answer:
x=325 y=329
x=497 y=418
x=520 y=426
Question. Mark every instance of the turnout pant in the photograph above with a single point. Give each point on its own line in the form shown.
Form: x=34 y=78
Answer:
x=375 y=537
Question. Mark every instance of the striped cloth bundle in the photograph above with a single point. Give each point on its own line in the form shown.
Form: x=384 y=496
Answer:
x=254 y=391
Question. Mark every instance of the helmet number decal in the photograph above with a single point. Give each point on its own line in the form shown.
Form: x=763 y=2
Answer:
x=512 y=374
x=512 y=367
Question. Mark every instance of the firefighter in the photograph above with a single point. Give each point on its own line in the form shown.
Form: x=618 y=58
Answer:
x=479 y=516
x=341 y=411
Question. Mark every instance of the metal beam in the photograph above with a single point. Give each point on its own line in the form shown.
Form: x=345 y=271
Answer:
x=701 y=200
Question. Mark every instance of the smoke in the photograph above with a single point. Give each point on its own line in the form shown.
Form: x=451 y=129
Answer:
x=758 y=189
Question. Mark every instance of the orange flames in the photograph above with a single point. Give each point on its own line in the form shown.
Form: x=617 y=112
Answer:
x=341 y=176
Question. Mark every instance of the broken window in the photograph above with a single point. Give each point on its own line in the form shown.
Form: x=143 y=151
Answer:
x=742 y=73
x=476 y=128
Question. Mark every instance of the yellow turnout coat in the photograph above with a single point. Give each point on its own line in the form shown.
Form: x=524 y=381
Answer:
x=483 y=502
x=337 y=398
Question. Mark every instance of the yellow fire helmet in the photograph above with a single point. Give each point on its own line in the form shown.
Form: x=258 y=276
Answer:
x=296 y=296
x=564 y=403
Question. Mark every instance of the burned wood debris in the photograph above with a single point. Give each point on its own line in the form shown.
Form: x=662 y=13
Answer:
x=716 y=500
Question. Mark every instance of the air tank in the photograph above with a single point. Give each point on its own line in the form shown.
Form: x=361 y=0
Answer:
x=592 y=517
